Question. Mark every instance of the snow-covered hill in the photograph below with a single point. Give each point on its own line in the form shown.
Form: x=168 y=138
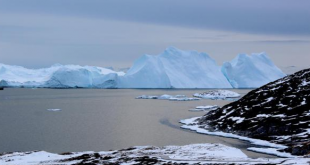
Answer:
x=173 y=68
x=278 y=112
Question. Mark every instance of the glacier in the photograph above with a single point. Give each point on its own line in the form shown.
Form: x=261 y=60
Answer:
x=174 y=68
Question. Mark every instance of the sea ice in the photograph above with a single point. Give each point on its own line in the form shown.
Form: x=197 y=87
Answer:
x=217 y=94
x=168 y=97
x=54 y=110
x=205 y=108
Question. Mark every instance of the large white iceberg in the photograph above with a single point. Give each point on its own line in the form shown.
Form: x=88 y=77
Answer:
x=251 y=71
x=58 y=76
x=174 y=68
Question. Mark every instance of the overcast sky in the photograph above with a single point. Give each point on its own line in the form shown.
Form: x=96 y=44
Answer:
x=39 y=33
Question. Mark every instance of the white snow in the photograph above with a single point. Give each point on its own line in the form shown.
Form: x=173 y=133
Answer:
x=251 y=71
x=237 y=119
x=262 y=115
x=188 y=154
x=217 y=94
x=305 y=83
x=192 y=124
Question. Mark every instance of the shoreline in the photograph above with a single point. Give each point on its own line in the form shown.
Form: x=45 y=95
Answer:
x=190 y=124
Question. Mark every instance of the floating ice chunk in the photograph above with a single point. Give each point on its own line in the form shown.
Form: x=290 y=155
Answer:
x=205 y=108
x=165 y=97
x=168 y=97
x=183 y=99
x=217 y=94
x=179 y=96
x=54 y=110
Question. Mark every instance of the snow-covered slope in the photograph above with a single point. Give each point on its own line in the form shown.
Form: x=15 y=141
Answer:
x=175 y=68
x=58 y=76
x=192 y=154
x=251 y=71
x=278 y=112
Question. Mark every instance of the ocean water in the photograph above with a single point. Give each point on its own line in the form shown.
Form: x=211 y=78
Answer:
x=65 y=120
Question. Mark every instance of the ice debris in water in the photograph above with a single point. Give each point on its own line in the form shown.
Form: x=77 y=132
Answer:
x=168 y=97
x=205 y=108
x=217 y=94
x=54 y=110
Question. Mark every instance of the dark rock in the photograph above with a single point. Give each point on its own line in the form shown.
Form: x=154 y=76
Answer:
x=278 y=112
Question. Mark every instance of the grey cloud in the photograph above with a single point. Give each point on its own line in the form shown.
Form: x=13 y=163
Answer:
x=264 y=17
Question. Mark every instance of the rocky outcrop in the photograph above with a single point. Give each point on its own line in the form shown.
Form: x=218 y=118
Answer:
x=277 y=112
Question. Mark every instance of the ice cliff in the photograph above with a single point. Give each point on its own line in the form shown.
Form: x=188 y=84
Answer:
x=251 y=71
x=174 y=68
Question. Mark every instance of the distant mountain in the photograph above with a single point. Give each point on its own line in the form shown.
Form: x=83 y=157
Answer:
x=278 y=112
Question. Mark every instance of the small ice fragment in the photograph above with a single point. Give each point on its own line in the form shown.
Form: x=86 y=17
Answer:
x=54 y=110
x=205 y=108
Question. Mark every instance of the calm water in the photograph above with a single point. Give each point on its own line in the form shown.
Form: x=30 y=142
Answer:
x=98 y=119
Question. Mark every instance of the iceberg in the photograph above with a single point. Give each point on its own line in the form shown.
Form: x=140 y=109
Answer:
x=174 y=68
x=58 y=76
x=251 y=71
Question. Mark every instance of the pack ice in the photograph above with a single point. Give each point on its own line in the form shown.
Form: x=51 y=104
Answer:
x=173 y=68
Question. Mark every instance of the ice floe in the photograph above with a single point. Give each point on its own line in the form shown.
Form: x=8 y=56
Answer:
x=205 y=108
x=168 y=97
x=54 y=110
x=217 y=94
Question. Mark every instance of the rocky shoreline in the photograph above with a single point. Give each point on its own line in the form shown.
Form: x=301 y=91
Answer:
x=278 y=112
